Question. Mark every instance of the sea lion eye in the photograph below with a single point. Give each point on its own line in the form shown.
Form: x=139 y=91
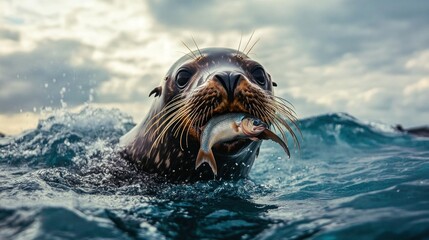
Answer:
x=259 y=75
x=183 y=78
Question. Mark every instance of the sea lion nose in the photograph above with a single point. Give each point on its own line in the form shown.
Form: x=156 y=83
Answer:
x=229 y=80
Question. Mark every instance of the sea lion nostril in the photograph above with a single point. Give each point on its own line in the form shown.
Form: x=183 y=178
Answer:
x=229 y=80
x=234 y=77
x=221 y=76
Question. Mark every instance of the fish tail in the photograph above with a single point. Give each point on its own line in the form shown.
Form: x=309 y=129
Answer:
x=267 y=134
x=207 y=157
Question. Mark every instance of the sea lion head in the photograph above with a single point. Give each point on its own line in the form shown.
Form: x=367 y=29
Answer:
x=200 y=85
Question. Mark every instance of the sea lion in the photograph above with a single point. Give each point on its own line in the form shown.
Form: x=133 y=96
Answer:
x=202 y=84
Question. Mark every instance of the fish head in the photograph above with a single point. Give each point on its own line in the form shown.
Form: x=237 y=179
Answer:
x=252 y=127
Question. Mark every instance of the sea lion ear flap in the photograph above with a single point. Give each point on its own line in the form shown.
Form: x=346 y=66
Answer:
x=157 y=91
x=274 y=83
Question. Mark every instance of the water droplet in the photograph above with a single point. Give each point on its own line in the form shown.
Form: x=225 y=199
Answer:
x=54 y=80
x=34 y=109
x=46 y=85
x=63 y=104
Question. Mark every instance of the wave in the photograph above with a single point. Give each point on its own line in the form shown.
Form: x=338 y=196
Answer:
x=60 y=139
x=349 y=176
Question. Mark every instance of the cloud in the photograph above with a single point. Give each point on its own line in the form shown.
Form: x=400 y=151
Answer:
x=420 y=62
x=53 y=71
x=65 y=45
x=416 y=95
x=367 y=58
x=326 y=30
x=9 y=35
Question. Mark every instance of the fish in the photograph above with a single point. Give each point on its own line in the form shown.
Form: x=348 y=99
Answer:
x=232 y=126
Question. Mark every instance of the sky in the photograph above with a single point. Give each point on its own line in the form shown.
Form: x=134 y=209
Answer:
x=367 y=58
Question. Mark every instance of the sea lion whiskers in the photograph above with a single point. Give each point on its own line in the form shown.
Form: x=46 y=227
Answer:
x=239 y=44
x=174 y=120
x=157 y=126
x=173 y=103
x=189 y=126
x=249 y=41
x=186 y=111
x=276 y=125
x=184 y=122
x=195 y=112
x=289 y=129
x=265 y=115
x=165 y=125
x=278 y=119
x=187 y=54
x=280 y=105
x=199 y=121
x=290 y=117
x=284 y=105
x=283 y=100
x=176 y=123
x=199 y=117
x=208 y=113
x=247 y=53
x=283 y=109
x=195 y=56
x=181 y=119
x=193 y=118
x=196 y=45
x=269 y=115
x=160 y=117
x=260 y=113
x=188 y=119
x=288 y=112
x=272 y=106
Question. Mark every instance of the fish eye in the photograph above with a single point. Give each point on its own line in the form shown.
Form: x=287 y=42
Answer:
x=183 y=77
x=259 y=75
x=257 y=122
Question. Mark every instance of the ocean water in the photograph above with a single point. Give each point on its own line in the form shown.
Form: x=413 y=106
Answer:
x=351 y=180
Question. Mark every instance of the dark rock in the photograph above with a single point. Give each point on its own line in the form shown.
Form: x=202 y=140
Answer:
x=422 y=131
